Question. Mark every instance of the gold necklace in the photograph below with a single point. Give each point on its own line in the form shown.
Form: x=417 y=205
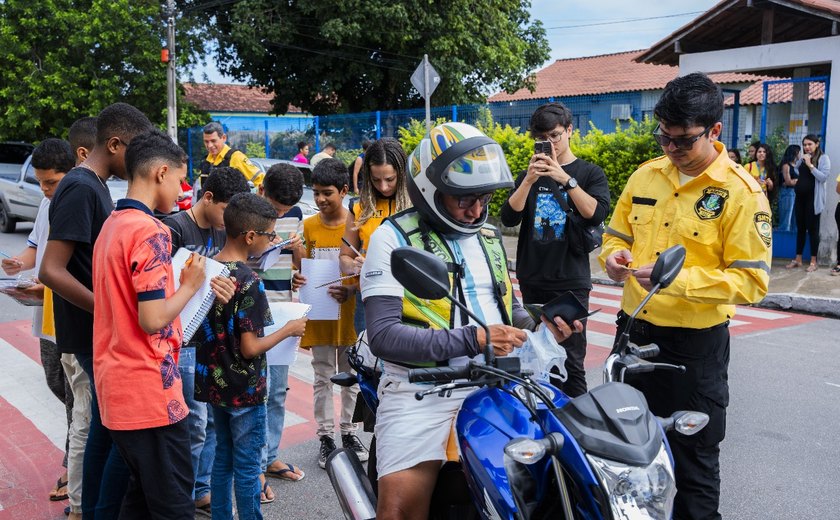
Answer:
x=87 y=167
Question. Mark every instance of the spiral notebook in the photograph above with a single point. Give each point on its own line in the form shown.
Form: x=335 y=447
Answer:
x=199 y=305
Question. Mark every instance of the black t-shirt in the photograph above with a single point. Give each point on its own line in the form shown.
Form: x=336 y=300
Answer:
x=187 y=234
x=78 y=210
x=806 y=183
x=543 y=257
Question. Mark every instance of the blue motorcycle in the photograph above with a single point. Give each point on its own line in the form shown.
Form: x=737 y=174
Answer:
x=528 y=451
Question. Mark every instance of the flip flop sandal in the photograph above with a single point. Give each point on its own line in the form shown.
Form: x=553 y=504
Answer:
x=204 y=511
x=811 y=268
x=58 y=485
x=289 y=473
x=264 y=493
x=793 y=265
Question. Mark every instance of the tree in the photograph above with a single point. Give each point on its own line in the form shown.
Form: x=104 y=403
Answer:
x=329 y=56
x=64 y=59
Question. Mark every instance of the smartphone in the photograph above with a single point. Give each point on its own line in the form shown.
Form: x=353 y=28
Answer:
x=542 y=147
x=566 y=306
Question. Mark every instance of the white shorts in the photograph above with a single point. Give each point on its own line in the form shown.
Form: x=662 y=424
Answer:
x=409 y=431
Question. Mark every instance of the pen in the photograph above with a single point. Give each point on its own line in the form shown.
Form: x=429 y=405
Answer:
x=348 y=244
x=209 y=245
x=336 y=280
x=189 y=260
x=7 y=256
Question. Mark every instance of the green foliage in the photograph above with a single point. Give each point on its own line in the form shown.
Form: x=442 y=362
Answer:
x=329 y=56
x=347 y=157
x=66 y=59
x=284 y=144
x=255 y=149
x=618 y=153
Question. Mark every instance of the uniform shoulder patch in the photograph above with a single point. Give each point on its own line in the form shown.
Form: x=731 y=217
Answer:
x=746 y=177
x=764 y=226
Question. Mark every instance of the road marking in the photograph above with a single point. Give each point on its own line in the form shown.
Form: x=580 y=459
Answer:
x=832 y=384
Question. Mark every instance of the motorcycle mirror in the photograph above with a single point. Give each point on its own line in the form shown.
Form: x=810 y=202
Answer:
x=668 y=266
x=421 y=272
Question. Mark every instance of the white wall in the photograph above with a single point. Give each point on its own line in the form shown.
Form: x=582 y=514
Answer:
x=786 y=55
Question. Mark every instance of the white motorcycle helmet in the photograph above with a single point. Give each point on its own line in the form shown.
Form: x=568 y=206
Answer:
x=454 y=159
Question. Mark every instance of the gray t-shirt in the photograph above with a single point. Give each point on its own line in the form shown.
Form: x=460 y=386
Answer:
x=187 y=234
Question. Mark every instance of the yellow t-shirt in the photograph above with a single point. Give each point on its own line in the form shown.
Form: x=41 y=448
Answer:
x=384 y=209
x=324 y=242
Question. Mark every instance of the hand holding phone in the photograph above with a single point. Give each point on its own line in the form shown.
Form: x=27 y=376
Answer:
x=543 y=147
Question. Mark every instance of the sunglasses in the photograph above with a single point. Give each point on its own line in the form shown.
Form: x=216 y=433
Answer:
x=467 y=201
x=270 y=234
x=680 y=143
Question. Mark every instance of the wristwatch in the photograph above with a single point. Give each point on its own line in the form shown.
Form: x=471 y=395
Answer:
x=572 y=184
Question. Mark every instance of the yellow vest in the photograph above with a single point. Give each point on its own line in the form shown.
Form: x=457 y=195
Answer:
x=438 y=314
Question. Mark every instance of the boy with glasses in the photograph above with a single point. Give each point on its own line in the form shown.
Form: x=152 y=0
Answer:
x=546 y=264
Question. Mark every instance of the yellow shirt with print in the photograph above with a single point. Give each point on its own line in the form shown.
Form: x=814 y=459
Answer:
x=239 y=161
x=384 y=209
x=324 y=242
x=723 y=220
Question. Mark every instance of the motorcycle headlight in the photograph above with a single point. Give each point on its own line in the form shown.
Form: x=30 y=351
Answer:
x=638 y=492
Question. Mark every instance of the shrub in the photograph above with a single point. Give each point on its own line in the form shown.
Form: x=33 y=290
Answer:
x=255 y=149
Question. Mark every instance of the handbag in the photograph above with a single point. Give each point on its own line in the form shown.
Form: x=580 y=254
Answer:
x=581 y=237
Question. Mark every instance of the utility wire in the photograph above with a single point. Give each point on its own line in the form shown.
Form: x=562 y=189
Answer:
x=337 y=56
x=623 y=21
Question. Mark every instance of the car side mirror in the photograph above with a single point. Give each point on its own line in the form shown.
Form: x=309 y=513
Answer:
x=421 y=272
x=668 y=266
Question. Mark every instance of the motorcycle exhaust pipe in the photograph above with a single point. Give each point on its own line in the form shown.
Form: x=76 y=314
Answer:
x=351 y=485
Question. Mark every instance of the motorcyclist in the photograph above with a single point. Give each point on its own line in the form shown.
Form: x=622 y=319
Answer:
x=452 y=175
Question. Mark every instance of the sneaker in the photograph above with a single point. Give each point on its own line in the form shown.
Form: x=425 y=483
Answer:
x=327 y=447
x=351 y=442
x=835 y=271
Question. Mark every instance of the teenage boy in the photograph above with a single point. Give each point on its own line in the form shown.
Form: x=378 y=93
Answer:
x=231 y=364
x=82 y=137
x=546 y=264
x=329 y=340
x=202 y=229
x=78 y=210
x=51 y=160
x=283 y=188
x=137 y=334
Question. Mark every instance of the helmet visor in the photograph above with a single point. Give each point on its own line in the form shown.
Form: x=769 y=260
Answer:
x=480 y=170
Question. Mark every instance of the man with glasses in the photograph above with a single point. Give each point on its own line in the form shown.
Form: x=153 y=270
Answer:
x=546 y=262
x=696 y=196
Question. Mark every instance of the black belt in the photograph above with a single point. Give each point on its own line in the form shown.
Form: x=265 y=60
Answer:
x=648 y=329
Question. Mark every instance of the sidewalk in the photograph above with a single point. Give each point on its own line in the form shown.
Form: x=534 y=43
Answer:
x=790 y=289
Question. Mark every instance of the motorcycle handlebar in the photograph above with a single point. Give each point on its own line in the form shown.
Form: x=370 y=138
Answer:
x=438 y=374
x=647 y=351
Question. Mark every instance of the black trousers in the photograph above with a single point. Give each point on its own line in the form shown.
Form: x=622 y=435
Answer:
x=704 y=387
x=837 y=220
x=806 y=222
x=575 y=345
x=162 y=478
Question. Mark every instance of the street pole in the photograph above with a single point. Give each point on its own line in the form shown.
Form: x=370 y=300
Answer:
x=171 y=108
x=428 y=95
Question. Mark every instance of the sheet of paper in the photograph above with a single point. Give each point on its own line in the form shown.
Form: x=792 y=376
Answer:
x=317 y=272
x=285 y=352
x=199 y=305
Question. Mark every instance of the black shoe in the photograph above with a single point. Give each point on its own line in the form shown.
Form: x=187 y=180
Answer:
x=351 y=442
x=327 y=447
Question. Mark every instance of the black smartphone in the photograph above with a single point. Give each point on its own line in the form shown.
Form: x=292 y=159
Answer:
x=542 y=147
x=567 y=306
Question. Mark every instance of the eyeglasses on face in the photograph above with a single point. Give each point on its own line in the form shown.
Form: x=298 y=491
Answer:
x=270 y=234
x=467 y=201
x=681 y=143
x=554 y=136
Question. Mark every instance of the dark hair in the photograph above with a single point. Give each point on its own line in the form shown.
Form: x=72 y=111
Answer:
x=53 y=154
x=330 y=172
x=737 y=154
x=815 y=157
x=365 y=145
x=283 y=183
x=121 y=120
x=150 y=149
x=247 y=212
x=691 y=100
x=330 y=145
x=300 y=145
x=790 y=154
x=547 y=117
x=82 y=134
x=769 y=160
x=214 y=127
x=384 y=151
x=224 y=182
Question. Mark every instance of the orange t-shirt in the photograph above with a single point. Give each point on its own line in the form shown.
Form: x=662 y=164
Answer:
x=137 y=380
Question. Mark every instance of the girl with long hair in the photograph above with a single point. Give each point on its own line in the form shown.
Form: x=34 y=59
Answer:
x=763 y=168
x=789 y=175
x=810 y=199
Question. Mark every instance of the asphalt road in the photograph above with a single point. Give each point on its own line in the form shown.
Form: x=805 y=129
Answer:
x=778 y=460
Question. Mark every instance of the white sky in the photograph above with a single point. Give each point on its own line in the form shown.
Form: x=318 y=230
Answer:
x=618 y=28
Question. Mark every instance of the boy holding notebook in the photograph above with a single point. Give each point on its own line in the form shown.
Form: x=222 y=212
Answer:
x=230 y=362
x=329 y=340
x=137 y=333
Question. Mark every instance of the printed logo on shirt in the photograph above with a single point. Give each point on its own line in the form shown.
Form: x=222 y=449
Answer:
x=549 y=218
x=371 y=274
x=764 y=225
x=710 y=205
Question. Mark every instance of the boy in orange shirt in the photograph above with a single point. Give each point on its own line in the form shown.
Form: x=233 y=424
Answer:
x=137 y=333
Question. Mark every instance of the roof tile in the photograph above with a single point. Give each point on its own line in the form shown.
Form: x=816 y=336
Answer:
x=230 y=98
